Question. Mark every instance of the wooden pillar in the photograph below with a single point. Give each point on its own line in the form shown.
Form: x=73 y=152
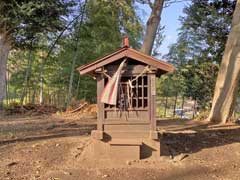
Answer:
x=153 y=102
x=152 y=105
x=100 y=113
x=149 y=101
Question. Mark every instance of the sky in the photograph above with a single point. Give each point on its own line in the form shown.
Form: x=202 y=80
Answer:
x=169 y=19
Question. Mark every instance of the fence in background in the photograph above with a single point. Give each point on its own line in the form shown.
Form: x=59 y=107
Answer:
x=55 y=99
x=182 y=107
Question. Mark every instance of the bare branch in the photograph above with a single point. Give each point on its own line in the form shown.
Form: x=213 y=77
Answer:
x=167 y=3
x=146 y=2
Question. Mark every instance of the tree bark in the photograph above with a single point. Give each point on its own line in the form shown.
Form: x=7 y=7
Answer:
x=182 y=109
x=78 y=85
x=152 y=26
x=33 y=96
x=228 y=76
x=41 y=82
x=69 y=96
x=166 y=105
x=7 y=89
x=175 y=104
x=71 y=78
x=27 y=76
x=41 y=98
x=5 y=47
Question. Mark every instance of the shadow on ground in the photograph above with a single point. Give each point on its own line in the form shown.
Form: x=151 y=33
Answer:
x=177 y=136
x=26 y=130
x=187 y=137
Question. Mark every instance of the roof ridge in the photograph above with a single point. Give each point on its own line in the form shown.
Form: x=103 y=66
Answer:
x=102 y=58
x=126 y=52
x=153 y=58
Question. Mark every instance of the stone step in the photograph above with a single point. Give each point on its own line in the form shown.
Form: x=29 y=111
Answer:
x=127 y=134
x=127 y=149
x=127 y=142
x=126 y=127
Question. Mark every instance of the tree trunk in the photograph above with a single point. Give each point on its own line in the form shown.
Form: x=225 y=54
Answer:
x=41 y=82
x=194 y=109
x=175 y=104
x=4 y=51
x=71 y=78
x=228 y=76
x=27 y=76
x=33 y=96
x=152 y=26
x=78 y=85
x=82 y=10
x=48 y=55
x=182 y=109
x=7 y=89
x=166 y=105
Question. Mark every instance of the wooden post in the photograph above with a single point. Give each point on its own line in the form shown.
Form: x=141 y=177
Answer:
x=142 y=91
x=153 y=102
x=152 y=105
x=100 y=116
x=149 y=100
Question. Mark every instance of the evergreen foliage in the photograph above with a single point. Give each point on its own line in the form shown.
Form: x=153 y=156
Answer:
x=96 y=31
x=99 y=33
x=200 y=47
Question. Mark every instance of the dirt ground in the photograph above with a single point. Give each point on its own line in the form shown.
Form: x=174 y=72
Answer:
x=54 y=147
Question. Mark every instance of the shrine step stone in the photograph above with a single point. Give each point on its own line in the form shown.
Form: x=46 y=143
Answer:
x=125 y=149
x=127 y=134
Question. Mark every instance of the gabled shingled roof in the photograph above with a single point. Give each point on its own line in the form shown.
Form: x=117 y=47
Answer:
x=126 y=52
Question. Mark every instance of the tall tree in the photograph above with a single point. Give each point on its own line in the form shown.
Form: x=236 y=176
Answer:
x=27 y=75
x=200 y=45
x=77 y=40
x=101 y=31
x=152 y=25
x=5 y=46
x=228 y=76
x=20 y=21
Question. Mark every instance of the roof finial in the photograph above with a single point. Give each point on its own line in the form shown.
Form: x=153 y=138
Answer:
x=125 y=41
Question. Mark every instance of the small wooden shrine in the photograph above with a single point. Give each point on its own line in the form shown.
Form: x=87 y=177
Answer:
x=126 y=91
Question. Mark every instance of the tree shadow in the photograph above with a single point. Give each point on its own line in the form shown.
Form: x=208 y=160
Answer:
x=28 y=133
x=189 y=138
x=176 y=136
x=180 y=124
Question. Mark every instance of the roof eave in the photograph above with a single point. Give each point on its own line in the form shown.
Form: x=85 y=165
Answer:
x=126 y=52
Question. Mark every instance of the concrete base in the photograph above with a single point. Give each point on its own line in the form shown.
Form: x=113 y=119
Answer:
x=153 y=135
x=97 y=134
x=150 y=149
x=126 y=149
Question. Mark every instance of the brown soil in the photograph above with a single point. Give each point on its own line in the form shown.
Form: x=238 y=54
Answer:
x=56 y=148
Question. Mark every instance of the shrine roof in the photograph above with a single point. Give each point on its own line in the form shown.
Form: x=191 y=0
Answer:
x=126 y=52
